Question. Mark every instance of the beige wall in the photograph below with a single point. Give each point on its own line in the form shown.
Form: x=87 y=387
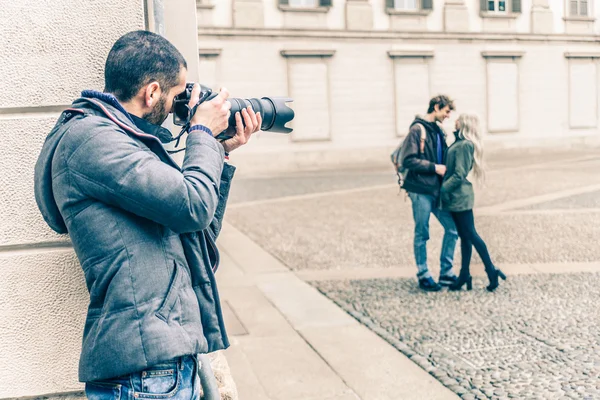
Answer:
x=519 y=74
x=51 y=50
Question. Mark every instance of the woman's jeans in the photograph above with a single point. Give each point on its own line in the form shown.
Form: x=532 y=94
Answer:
x=465 y=223
x=423 y=205
x=174 y=380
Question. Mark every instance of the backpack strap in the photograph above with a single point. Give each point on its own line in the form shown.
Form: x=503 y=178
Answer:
x=423 y=137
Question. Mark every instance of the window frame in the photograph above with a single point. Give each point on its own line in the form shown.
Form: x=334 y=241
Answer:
x=513 y=9
x=496 y=9
x=423 y=8
x=589 y=13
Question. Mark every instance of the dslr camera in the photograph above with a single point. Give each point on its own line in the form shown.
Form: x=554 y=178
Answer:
x=274 y=111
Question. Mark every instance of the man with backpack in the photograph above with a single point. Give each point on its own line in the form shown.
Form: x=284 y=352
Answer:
x=422 y=157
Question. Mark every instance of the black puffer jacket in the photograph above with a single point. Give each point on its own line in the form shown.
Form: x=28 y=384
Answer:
x=421 y=177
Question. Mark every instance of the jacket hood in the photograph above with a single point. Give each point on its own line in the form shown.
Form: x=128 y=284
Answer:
x=44 y=195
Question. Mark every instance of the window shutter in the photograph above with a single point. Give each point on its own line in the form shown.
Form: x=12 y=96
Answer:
x=427 y=4
x=516 y=6
x=284 y=2
x=325 y=3
x=389 y=4
x=483 y=5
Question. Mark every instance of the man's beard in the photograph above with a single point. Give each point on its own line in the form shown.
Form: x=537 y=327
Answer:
x=159 y=113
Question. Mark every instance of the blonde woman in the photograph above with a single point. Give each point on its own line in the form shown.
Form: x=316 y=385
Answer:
x=466 y=154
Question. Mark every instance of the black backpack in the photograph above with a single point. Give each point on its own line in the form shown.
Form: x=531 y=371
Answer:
x=396 y=156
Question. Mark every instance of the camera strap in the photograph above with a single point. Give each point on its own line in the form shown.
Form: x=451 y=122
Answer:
x=188 y=124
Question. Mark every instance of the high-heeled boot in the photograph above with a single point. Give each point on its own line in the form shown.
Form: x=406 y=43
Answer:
x=463 y=278
x=493 y=275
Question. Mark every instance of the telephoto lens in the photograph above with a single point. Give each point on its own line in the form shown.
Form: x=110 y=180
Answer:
x=274 y=111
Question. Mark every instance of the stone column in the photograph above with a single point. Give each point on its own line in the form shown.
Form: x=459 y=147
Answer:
x=541 y=17
x=456 y=16
x=359 y=15
x=248 y=14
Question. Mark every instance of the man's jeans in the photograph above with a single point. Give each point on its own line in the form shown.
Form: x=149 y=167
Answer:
x=423 y=206
x=175 y=380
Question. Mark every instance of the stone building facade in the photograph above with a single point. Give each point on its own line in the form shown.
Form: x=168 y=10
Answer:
x=359 y=70
x=50 y=51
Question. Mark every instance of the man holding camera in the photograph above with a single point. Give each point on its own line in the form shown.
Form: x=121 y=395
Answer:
x=423 y=155
x=143 y=228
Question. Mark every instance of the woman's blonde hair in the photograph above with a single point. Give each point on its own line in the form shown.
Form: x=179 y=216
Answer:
x=470 y=130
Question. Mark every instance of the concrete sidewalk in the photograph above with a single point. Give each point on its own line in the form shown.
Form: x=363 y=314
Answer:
x=291 y=342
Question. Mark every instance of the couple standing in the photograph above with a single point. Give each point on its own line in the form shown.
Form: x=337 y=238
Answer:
x=437 y=184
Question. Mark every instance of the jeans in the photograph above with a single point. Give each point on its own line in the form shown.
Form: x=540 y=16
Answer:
x=174 y=380
x=465 y=223
x=423 y=206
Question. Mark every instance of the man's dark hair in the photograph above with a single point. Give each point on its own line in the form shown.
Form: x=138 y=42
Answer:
x=441 y=101
x=138 y=58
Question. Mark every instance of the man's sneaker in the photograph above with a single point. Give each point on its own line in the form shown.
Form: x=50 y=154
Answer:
x=448 y=280
x=429 y=285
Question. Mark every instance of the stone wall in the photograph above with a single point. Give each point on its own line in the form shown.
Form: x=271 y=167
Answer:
x=51 y=50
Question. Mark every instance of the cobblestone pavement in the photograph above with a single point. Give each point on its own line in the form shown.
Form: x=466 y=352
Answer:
x=537 y=337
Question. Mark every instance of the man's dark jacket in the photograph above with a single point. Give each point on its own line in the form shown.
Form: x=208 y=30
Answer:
x=144 y=231
x=421 y=177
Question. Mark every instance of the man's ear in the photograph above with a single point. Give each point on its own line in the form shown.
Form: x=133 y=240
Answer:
x=152 y=94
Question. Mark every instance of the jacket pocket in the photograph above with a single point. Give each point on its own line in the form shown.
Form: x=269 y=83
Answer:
x=172 y=295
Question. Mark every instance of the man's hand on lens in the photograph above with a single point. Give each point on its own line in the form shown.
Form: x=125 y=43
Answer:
x=252 y=122
x=213 y=114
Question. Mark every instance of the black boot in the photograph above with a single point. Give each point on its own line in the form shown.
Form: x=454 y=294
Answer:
x=493 y=275
x=501 y=274
x=464 y=277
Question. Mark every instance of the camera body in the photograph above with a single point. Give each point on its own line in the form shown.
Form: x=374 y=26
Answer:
x=274 y=110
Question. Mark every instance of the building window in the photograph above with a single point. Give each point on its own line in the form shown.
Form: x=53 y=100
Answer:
x=496 y=5
x=501 y=6
x=303 y=3
x=579 y=8
x=406 y=5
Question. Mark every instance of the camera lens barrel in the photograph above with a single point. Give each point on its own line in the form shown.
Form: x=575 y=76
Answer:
x=274 y=111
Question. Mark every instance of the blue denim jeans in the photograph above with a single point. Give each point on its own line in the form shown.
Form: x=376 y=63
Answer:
x=423 y=206
x=173 y=380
